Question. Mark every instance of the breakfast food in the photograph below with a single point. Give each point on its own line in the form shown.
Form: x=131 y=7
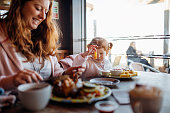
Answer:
x=66 y=86
x=127 y=74
x=120 y=73
x=90 y=90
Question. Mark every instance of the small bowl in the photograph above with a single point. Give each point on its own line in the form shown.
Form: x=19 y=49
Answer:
x=115 y=72
x=106 y=73
x=106 y=106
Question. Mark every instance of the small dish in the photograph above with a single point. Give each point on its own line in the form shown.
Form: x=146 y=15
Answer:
x=106 y=73
x=106 y=106
x=105 y=81
x=116 y=72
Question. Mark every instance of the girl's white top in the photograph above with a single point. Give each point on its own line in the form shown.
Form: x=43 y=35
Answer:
x=93 y=68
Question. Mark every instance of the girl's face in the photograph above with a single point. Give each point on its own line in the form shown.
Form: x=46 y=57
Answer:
x=101 y=54
x=34 y=12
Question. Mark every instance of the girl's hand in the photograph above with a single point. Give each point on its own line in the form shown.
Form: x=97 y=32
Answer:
x=91 y=50
x=26 y=76
x=72 y=70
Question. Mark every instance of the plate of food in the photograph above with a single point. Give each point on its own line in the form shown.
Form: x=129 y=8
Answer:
x=70 y=90
x=125 y=74
x=105 y=81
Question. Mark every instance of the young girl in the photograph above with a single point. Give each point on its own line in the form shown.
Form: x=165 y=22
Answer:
x=94 y=64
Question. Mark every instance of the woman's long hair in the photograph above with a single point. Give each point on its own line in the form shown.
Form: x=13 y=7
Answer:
x=40 y=42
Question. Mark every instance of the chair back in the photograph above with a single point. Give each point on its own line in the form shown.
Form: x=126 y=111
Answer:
x=61 y=54
x=129 y=61
x=136 y=66
x=116 y=60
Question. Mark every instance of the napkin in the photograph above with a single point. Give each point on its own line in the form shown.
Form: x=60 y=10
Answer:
x=2 y=92
x=121 y=96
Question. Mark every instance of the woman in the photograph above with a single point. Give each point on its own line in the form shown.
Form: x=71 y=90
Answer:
x=135 y=55
x=28 y=47
x=132 y=53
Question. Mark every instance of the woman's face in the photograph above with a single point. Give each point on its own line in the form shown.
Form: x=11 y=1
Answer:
x=134 y=45
x=34 y=12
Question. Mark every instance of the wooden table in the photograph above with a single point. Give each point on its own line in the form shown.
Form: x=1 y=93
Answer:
x=160 y=80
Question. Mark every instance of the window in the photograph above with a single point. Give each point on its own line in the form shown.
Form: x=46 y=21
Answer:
x=121 y=21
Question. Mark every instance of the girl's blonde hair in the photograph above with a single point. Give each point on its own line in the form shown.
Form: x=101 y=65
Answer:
x=40 y=42
x=101 y=43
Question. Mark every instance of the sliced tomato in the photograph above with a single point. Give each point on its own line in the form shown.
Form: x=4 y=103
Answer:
x=97 y=93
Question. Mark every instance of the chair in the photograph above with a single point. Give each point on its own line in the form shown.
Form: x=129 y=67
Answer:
x=61 y=54
x=129 y=61
x=117 y=60
x=136 y=66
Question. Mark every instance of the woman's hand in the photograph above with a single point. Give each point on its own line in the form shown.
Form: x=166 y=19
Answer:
x=26 y=76
x=75 y=70
x=91 y=50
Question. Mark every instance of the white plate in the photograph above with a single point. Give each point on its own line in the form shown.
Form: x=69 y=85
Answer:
x=107 y=93
x=120 y=77
x=105 y=81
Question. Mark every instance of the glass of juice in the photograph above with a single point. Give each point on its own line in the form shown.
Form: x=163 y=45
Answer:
x=106 y=106
x=95 y=55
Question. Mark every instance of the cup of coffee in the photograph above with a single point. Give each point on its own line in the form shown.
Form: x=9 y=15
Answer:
x=145 y=99
x=34 y=96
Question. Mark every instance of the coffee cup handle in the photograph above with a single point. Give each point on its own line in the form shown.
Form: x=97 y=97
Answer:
x=138 y=107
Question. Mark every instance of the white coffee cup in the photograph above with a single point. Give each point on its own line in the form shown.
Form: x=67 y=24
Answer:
x=145 y=99
x=34 y=96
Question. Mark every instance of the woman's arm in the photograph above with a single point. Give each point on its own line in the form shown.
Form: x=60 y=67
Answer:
x=58 y=70
x=21 y=77
x=79 y=60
